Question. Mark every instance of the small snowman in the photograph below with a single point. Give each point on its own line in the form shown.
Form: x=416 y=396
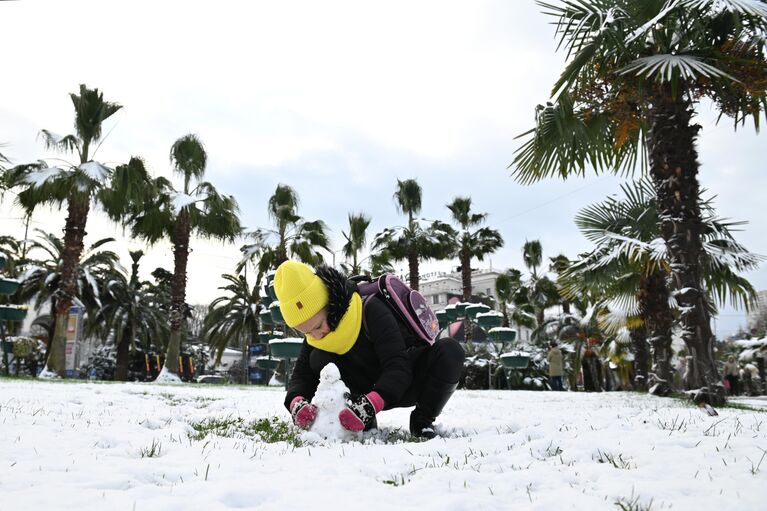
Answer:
x=329 y=400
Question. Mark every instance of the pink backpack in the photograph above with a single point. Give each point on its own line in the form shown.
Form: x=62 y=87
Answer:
x=408 y=305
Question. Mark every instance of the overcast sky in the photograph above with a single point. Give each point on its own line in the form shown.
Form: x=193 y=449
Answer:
x=337 y=100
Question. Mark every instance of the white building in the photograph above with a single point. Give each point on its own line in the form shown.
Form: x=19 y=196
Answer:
x=754 y=315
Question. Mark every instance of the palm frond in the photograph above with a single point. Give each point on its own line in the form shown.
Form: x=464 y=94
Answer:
x=666 y=68
x=68 y=143
x=189 y=157
x=565 y=141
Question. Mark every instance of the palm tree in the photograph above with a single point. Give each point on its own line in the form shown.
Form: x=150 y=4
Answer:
x=11 y=252
x=196 y=208
x=507 y=284
x=77 y=185
x=630 y=267
x=539 y=292
x=559 y=265
x=471 y=244
x=628 y=94
x=418 y=239
x=233 y=317
x=355 y=241
x=12 y=249
x=292 y=236
x=532 y=255
x=3 y=176
x=130 y=311
x=41 y=279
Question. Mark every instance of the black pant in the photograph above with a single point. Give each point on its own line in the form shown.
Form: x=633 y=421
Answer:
x=442 y=362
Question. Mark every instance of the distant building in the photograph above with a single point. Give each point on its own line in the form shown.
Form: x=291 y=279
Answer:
x=757 y=317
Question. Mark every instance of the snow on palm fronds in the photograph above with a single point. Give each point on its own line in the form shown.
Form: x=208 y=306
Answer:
x=628 y=244
x=716 y=7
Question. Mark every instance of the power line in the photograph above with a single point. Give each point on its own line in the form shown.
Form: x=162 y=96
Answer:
x=555 y=199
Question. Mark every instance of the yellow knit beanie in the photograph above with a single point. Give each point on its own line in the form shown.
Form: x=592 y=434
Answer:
x=301 y=293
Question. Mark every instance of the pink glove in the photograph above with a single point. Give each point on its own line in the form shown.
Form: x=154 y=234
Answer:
x=360 y=412
x=304 y=413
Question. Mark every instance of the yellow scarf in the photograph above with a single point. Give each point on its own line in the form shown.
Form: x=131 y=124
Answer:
x=342 y=339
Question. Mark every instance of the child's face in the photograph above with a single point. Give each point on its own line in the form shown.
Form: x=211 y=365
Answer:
x=316 y=326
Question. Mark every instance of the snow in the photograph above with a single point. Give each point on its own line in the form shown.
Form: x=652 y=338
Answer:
x=167 y=377
x=47 y=374
x=15 y=306
x=95 y=171
x=94 y=446
x=716 y=7
x=39 y=177
x=182 y=200
x=489 y=314
x=329 y=400
x=750 y=343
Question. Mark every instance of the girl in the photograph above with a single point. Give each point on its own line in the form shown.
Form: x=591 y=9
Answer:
x=382 y=362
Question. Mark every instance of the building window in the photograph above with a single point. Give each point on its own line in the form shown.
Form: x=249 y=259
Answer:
x=489 y=293
x=435 y=299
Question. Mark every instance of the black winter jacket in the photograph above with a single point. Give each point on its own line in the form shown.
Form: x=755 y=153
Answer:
x=381 y=359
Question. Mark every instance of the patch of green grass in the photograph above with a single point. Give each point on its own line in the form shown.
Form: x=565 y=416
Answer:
x=633 y=504
x=672 y=425
x=397 y=480
x=152 y=451
x=269 y=430
x=272 y=430
x=395 y=436
x=615 y=460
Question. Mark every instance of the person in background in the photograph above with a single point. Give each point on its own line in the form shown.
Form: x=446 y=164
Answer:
x=592 y=368
x=382 y=362
x=556 y=366
x=732 y=375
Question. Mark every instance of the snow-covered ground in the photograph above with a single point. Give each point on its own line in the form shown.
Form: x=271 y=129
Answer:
x=89 y=446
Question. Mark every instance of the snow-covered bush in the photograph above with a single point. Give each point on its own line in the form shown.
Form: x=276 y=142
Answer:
x=101 y=364
x=28 y=354
x=481 y=368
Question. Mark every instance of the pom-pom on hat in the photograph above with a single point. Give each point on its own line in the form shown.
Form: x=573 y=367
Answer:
x=301 y=293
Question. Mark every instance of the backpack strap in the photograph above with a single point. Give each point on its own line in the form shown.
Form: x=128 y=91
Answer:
x=365 y=300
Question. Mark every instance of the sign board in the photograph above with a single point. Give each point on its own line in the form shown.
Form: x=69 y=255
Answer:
x=74 y=332
x=256 y=350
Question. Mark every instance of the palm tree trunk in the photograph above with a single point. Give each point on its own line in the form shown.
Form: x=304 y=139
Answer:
x=674 y=169
x=653 y=303
x=576 y=363
x=641 y=358
x=466 y=275
x=178 y=292
x=74 y=232
x=123 y=356
x=468 y=327
x=51 y=328
x=244 y=346
x=412 y=261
